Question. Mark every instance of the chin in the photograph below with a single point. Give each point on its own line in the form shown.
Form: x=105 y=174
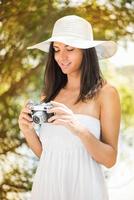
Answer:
x=65 y=71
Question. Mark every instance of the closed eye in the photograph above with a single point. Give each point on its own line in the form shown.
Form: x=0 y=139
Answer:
x=59 y=50
x=70 y=49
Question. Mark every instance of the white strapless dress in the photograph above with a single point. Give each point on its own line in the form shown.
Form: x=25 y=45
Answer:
x=66 y=170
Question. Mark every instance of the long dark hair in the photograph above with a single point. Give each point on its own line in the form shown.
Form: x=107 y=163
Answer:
x=91 y=77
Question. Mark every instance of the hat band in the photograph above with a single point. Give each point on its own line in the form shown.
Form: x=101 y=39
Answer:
x=72 y=35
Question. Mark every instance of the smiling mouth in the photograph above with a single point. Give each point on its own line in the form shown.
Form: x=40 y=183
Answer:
x=65 y=65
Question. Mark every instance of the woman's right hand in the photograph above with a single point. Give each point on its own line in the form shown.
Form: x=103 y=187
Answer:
x=26 y=126
x=25 y=120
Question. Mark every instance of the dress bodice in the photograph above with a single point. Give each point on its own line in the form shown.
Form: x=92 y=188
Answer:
x=58 y=136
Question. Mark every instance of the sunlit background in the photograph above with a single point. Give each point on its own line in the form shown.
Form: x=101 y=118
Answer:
x=23 y=23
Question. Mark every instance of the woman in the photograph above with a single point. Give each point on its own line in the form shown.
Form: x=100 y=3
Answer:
x=83 y=133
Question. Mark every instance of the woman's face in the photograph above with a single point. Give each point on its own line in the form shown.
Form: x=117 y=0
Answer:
x=68 y=58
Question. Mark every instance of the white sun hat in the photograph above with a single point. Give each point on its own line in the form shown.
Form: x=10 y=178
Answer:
x=77 y=32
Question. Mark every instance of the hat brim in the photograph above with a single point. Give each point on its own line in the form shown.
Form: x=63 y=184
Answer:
x=104 y=49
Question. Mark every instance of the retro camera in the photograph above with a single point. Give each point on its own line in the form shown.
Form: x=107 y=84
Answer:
x=39 y=112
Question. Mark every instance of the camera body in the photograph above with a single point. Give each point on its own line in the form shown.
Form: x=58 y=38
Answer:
x=39 y=112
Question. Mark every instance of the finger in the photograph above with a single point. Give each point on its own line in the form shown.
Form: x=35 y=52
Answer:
x=26 y=110
x=57 y=110
x=55 y=103
x=55 y=117
x=25 y=122
x=25 y=116
x=60 y=122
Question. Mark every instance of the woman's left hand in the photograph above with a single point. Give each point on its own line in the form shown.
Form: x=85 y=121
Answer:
x=64 y=116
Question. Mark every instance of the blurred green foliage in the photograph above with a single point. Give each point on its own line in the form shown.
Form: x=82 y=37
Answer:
x=23 y=23
x=127 y=104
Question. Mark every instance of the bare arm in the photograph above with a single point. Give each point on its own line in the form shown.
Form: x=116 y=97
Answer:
x=33 y=142
x=105 y=151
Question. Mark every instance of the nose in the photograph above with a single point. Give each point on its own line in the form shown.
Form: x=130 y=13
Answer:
x=62 y=56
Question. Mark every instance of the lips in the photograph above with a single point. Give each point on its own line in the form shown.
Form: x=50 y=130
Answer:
x=65 y=64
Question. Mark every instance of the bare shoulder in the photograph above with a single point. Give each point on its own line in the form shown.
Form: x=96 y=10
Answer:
x=110 y=107
x=108 y=93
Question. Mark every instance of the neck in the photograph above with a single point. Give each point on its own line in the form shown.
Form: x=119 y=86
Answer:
x=73 y=83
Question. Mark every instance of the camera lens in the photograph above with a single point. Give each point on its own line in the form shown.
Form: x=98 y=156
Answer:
x=36 y=119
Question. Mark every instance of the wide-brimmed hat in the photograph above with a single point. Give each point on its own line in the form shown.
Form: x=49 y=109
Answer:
x=77 y=32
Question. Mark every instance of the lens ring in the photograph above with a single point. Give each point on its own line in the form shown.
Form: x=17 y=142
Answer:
x=36 y=119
